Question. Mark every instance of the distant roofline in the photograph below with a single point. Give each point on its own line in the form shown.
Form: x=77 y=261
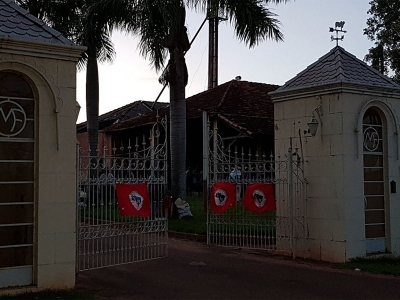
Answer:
x=126 y=106
x=195 y=111
x=107 y=116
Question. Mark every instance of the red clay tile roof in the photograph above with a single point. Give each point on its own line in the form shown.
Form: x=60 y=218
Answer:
x=243 y=105
x=126 y=112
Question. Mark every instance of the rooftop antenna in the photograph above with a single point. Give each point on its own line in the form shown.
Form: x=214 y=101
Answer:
x=338 y=28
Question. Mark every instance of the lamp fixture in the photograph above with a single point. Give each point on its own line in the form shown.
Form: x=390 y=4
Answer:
x=77 y=110
x=314 y=123
x=313 y=126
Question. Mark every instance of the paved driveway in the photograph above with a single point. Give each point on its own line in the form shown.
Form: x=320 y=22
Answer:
x=194 y=271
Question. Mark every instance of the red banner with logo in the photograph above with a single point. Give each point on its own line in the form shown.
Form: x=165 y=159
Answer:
x=259 y=197
x=133 y=199
x=223 y=196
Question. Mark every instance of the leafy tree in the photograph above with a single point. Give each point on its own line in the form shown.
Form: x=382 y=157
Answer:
x=383 y=27
x=160 y=26
x=74 y=20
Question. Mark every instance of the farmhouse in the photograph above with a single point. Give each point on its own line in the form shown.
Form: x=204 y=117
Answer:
x=126 y=112
x=242 y=111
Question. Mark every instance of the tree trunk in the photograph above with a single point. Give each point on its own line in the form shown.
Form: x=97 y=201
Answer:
x=92 y=104
x=177 y=119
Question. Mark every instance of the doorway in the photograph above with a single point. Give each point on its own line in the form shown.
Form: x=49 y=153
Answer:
x=17 y=165
x=375 y=185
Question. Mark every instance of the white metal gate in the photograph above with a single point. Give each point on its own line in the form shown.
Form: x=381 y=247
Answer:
x=104 y=238
x=282 y=230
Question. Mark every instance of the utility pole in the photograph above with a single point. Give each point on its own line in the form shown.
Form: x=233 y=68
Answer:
x=213 y=21
x=213 y=49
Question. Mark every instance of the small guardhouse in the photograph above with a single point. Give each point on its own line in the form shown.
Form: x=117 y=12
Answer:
x=37 y=153
x=343 y=117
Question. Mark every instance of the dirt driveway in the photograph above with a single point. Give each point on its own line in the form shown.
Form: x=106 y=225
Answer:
x=195 y=271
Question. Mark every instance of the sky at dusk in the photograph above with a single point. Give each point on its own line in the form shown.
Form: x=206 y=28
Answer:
x=305 y=25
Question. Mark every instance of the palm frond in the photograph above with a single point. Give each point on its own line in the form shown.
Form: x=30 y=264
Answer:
x=159 y=23
x=252 y=20
x=268 y=2
x=151 y=21
x=154 y=28
x=122 y=14
x=95 y=33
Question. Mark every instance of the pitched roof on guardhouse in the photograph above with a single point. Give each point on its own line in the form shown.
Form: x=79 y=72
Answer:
x=337 y=68
x=17 y=23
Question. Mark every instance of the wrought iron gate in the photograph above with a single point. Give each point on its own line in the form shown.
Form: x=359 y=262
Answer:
x=282 y=230
x=104 y=238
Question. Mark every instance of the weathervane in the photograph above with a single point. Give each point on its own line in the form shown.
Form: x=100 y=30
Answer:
x=337 y=26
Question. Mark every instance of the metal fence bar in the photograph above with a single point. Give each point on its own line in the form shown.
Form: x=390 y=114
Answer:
x=104 y=238
x=284 y=229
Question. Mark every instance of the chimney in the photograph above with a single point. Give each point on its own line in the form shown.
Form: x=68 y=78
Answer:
x=238 y=78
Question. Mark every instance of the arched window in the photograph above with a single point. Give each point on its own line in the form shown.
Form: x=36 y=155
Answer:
x=14 y=85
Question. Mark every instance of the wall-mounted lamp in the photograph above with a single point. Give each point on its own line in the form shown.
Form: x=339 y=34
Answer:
x=77 y=110
x=313 y=124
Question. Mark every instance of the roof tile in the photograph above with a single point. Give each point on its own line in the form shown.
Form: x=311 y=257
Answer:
x=16 y=22
x=337 y=66
x=126 y=112
x=241 y=103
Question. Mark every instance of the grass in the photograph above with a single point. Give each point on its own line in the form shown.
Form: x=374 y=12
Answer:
x=51 y=295
x=197 y=224
x=389 y=265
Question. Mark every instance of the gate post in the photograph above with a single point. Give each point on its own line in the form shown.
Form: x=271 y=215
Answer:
x=205 y=164
x=215 y=149
x=291 y=197
x=205 y=157
x=77 y=212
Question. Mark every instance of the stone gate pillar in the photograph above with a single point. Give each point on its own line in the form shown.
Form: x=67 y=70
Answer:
x=351 y=160
x=37 y=154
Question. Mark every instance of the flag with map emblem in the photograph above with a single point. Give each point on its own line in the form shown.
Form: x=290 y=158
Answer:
x=259 y=197
x=223 y=196
x=133 y=199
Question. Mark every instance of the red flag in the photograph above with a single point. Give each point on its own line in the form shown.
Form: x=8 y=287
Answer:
x=223 y=196
x=133 y=199
x=259 y=197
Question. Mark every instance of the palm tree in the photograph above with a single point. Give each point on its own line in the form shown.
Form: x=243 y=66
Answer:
x=73 y=19
x=95 y=34
x=160 y=25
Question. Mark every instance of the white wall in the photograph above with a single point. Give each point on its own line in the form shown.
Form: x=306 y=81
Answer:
x=334 y=168
x=53 y=81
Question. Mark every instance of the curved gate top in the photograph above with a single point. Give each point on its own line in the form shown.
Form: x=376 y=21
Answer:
x=281 y=229
x=104 y=237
